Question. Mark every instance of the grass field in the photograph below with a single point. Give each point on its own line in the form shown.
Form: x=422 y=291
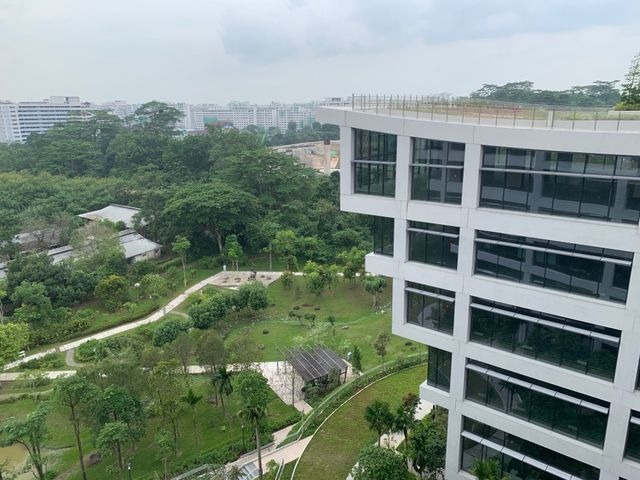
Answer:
x=357 y=322
x=334 y=449
x=215 y=431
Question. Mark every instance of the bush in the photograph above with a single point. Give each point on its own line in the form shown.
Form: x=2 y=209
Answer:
x=210 y=310
x=112 y=292
x=142 y=268
x=51 y=361
x=287 y=280
x=169 y=330
x=34 y=379
x=210 y=263
x=252 y=295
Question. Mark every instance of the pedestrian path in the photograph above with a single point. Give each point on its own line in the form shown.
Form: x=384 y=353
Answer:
x=217 y=279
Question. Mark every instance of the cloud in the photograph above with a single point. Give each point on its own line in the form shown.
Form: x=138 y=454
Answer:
x=262 y=50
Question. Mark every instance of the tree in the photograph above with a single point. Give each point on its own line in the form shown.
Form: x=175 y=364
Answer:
x=267 y=231
x=112 y=292
x=169 y=330
x=14 y=337
x=331 y=320
x=252 y=295
x=210 y=351
x=233 y=250
x=379 y=417
x=212 y=210
x=254 y=396
x=319 y=277
x=427 y=448
x=356 y=359
x=487 y=470
x=3 y=294
x=182 y=348
x=630 y=98
x=192 y=400
x=165 y=383
x=75 y=393
x=221 y=381
x=209 y=311
x=374 y=285
x=153 y=285
x=29 y=432
x=98 y=249
x=118 y=418
x=180 y=247
x=404 y=419
x=353 y=262
x=380 y=345
x=158 y=118
x=112 y=436
x=165 y=449
x=285 y=246
x=376 y=463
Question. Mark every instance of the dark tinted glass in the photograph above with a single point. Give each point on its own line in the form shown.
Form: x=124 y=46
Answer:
x=383 y=235
x=632 y=449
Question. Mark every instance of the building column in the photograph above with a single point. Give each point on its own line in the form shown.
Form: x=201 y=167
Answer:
x=454 y=445
x=346 y=155
x=471 y=176
x=403 y=159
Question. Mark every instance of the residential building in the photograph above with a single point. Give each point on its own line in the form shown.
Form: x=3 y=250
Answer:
x=21 y=119
x=511 y=239
x=243 y=114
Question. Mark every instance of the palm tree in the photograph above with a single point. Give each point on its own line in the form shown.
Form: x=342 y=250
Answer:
x=255 y=413
x=403 y=421
x=379 y=416
x=192 y=400
x=222 y=383
x=233 y=473
x=488 y=470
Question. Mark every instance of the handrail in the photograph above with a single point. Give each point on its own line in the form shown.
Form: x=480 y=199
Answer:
x=472 y=111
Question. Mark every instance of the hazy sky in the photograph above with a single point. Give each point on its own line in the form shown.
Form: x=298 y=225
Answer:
x=294 y=50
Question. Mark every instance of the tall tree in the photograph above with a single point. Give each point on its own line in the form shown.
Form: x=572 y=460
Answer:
x=222 y=383
x=166 y=383
x=14 y=337
x=214 y=210
x=631 y=87
x=30 y=432
x=374 y=285
x=254 y=396
x=233 y=251
x=110 y=440
x=192 y=400
x=379 y=417
x=427 y=448
x=75 y=393
x=180 y=247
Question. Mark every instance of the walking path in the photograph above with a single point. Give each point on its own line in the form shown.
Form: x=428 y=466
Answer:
x=227 y=279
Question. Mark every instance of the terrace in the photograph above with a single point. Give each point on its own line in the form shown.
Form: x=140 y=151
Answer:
x=502 y=114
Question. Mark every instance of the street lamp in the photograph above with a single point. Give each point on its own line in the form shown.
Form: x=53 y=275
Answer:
x=242 y=427
x=129 y=469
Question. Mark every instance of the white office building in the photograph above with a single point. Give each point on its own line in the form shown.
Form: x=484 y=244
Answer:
x=511 y=237
x=20 y=119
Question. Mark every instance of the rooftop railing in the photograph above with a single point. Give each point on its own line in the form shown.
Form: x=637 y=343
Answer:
x=503 y=114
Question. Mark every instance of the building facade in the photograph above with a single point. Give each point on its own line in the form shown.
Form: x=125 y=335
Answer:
x=21 y=119
x=513 y=257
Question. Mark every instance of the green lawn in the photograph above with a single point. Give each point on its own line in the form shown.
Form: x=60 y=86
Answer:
x=357 y=322
x=334 y=449
x=215 y=431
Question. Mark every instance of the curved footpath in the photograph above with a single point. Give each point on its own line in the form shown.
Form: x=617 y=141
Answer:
x=219 y=279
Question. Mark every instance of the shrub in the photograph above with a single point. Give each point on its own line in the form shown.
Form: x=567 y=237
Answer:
x=252 y=295
x=50 y=361
x=287 y=280
x=210 y=263
x=112 y=292
x=169 y=330
x=142 y=268
x=210 y=310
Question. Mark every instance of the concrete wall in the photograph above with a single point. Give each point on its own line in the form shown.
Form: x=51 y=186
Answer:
x=469 y=217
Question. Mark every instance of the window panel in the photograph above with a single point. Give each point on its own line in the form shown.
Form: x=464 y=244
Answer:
x=632 y=449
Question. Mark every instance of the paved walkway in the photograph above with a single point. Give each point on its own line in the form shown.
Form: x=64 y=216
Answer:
x=217 y=279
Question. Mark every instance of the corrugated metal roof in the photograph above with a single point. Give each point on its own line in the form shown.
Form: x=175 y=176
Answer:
x=114 y=213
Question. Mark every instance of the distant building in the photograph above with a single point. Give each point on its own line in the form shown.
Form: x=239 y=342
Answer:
x=243 y=114
x=21 y=119
x=114 y=213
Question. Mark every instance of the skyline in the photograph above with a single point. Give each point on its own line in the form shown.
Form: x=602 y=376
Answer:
x=297 y=50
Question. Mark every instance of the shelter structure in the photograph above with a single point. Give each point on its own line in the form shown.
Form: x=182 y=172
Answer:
x=314 y=366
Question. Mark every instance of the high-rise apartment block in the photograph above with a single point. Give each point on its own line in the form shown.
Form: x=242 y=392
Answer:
x=18 y=120
x=511 y=238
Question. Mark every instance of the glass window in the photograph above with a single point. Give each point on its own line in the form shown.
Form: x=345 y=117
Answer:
x=433 y=244
x=632 y=449
x=559 y=268
x=436 y=173
x=474 y=451
x=430 y=307
x=547 y=341
x=549 y=406
x=374 y=163
x=561 y=183
x=439 y=368
x=383 y=235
